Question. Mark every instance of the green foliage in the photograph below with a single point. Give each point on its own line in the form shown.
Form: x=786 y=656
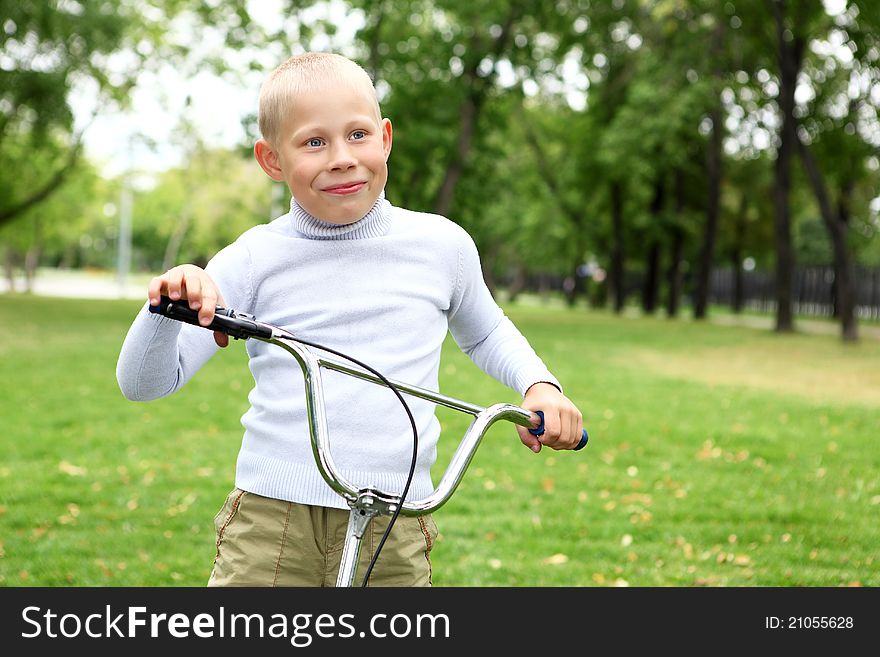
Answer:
x=523 y=113
x=47 y=44
x=215 y=198
x=48 y=50
x=70 y=228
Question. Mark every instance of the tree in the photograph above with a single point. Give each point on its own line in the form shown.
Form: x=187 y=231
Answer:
x=47 y=47
x=838 y=130
x=791 y=41
x=195 y=210
x=438 y=65
x=713 y=163
x=68 y=228
x=50 y=47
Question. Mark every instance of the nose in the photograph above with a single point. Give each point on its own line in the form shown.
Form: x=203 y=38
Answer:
x=341 y=157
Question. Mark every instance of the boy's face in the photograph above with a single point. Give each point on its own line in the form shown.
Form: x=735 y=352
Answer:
x=332 y=152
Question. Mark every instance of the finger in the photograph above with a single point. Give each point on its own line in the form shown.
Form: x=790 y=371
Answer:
x=552 y=430
x=571 y=437
x=193 y=286
x=221 y=339
x=528 y=439
x=156 y=288
x=536 y=420
x=208 y=306
x=176 y=283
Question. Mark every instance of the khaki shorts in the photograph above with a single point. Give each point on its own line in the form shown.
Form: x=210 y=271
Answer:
x=268 y=542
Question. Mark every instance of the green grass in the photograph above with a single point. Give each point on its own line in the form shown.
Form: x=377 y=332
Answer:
x=719 y=456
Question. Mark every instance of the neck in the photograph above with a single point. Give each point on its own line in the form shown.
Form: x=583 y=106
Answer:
x=375 y=223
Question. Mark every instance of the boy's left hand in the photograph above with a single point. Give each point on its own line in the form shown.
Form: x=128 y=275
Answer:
x=563 y=422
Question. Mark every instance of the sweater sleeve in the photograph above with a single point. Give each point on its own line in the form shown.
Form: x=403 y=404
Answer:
x=159 y=355
x=482 y=330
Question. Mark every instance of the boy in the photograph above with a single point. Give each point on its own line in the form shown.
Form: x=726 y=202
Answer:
x=347 y=269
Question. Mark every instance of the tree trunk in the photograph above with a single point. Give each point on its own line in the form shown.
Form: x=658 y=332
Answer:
x=739 y=238
x=616 y=281
x=676 y=253
x=713 y=183
x=518 y=283
x=478 y=88
x=673 y=273
x=467 y=122
x=487 y=265
x=707 y=254
x=55 y=181
x=32 y=257
x=172 y=248
x=837 y=224
x=571 y=285
x=9 y=267
x=790 y=54
x=651 y=284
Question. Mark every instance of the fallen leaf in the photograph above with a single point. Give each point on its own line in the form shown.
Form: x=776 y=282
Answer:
x=641 y=498
x=556 y=560
x=71 y=469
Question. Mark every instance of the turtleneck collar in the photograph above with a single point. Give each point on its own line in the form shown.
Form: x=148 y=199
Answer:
x=375 y=223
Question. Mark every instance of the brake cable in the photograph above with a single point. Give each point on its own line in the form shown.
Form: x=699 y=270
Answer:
x=412 y=467
x=243 y=326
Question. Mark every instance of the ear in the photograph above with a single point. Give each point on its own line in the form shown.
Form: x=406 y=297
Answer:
x=268 y=159
x=386 y=137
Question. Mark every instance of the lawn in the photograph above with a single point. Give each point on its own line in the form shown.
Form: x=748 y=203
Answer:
x=719 y=456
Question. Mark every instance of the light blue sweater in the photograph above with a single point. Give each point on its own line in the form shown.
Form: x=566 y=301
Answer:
x=384 y=290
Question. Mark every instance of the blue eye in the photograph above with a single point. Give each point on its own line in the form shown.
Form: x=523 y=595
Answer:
x=314 y=142
x=358 y=134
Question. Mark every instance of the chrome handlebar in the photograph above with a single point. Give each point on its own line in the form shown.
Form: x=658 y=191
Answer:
x=244 y=326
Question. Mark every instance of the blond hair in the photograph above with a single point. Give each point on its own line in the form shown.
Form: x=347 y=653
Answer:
x=306 y=73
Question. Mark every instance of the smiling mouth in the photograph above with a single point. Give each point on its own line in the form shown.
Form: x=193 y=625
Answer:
x=345 y=188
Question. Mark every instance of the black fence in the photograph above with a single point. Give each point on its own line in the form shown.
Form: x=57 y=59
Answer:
x=812 y=291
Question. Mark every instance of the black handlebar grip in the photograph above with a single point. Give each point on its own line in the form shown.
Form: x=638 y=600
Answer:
x=537 y=431
x=225 y=320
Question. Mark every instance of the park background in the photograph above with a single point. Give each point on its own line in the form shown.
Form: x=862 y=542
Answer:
x=677 y=202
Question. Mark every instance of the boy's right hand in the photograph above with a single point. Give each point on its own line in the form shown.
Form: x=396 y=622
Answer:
x=195 y=286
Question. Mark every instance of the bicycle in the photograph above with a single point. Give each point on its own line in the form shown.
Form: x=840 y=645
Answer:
x=367 y=502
